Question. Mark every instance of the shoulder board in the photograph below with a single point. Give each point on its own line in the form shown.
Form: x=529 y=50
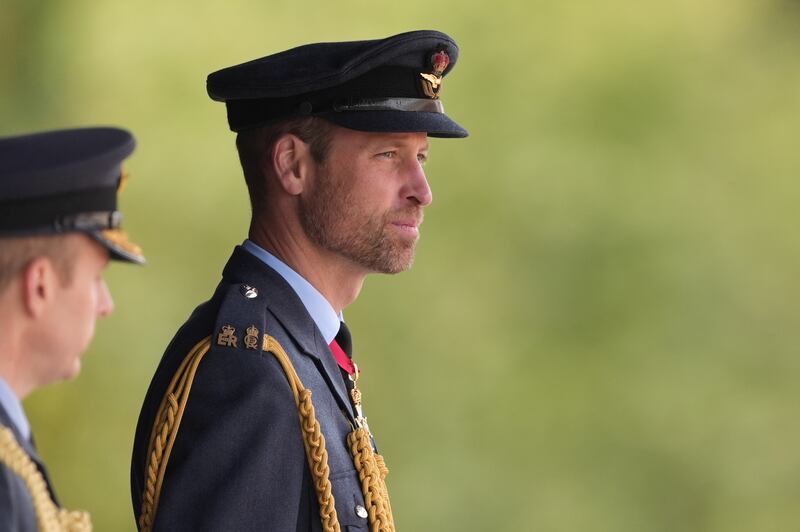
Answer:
x=241 y=320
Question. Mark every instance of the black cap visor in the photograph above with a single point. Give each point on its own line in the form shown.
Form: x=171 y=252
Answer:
x=118 y=246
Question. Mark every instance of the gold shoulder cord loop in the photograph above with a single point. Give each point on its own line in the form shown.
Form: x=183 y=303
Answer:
x=372 y=472
x=49 y=517
x=371 y=468
x=369 y=465
x=313 y=440
x=165 y=430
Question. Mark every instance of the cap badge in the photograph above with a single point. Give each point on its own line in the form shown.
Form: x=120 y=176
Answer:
x=432 y=83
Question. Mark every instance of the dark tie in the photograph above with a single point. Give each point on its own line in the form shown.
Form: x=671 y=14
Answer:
x=342 y=349
x=344 y=339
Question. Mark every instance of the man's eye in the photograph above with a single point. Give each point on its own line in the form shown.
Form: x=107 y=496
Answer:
x=422 y=158
x=388 y=154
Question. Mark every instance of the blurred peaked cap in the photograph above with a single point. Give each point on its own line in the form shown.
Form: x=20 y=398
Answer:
x=65 y=181
x=390 y=85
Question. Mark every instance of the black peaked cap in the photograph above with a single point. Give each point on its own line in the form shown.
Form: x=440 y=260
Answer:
x=390 y=84
x=65 y=181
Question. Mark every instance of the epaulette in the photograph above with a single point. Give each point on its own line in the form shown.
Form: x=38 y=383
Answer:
x=241 y=320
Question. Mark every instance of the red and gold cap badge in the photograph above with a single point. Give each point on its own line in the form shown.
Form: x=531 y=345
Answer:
x=432 y=83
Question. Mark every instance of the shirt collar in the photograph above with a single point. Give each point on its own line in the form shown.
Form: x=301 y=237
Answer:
x=10 y=402
x=321 y=311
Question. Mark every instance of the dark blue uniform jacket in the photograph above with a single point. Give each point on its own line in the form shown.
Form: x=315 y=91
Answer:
x=238 y=462
x=16 y=507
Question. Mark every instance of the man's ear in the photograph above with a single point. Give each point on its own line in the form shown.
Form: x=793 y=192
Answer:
x=39 y=281
x=291 y=160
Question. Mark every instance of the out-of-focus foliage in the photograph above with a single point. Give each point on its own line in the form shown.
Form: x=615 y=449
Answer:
x=600 y=332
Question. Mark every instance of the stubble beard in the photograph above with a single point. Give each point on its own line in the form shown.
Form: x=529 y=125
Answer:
x=332 y=221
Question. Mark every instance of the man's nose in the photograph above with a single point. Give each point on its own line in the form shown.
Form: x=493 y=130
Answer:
x=418 y=189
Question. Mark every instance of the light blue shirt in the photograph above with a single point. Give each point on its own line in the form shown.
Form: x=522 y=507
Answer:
x=13 y=407
x=317 y=306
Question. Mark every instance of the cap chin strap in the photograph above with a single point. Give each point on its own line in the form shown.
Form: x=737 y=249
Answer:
x=391 y=104
x=89 y=221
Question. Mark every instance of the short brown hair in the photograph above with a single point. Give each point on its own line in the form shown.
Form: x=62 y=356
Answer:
x=255 y=148
x=17 y=252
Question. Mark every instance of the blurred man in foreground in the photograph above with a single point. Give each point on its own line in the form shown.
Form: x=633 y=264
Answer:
x=59 y=226
x=332 y=138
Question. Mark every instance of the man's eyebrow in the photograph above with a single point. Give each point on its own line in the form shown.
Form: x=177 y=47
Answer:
x=396 y=142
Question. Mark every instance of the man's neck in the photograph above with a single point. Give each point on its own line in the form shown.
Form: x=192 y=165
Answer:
x=11 y=358
x=335 y=277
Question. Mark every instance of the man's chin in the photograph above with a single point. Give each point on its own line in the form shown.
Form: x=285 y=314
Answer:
x=397 y=264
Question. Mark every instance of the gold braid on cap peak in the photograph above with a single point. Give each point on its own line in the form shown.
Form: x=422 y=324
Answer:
x=119 y=238
x=371 y=468
x=49 y=517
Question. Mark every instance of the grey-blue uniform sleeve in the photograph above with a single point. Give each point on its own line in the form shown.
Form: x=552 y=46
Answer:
x=238 y=462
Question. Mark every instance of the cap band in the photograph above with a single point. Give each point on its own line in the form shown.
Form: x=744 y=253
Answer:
x=392 y=104
x=80 y=210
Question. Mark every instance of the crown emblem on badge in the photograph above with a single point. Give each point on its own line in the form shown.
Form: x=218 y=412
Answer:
x=432 y=82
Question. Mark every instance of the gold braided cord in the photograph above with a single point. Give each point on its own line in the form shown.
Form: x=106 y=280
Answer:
x=370 y=466
x=49 y=517
x=372 y=472
x=313 y=440
x=165 y=430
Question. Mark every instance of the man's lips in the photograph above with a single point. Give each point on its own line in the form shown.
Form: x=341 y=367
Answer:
x=408 y=225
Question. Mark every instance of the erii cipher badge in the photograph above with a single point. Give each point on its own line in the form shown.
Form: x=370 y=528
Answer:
x=432 y=83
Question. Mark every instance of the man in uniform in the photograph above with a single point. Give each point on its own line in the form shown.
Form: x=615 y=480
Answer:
x=332 y=139
x=59 y=225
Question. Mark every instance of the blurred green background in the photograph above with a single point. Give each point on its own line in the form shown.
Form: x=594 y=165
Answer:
x=600 y=331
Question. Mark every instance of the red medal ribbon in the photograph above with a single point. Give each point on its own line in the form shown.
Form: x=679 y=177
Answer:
x=341 y=358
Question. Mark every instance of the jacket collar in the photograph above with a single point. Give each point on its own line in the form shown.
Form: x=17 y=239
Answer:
x=286 y=306
x=29 y=447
